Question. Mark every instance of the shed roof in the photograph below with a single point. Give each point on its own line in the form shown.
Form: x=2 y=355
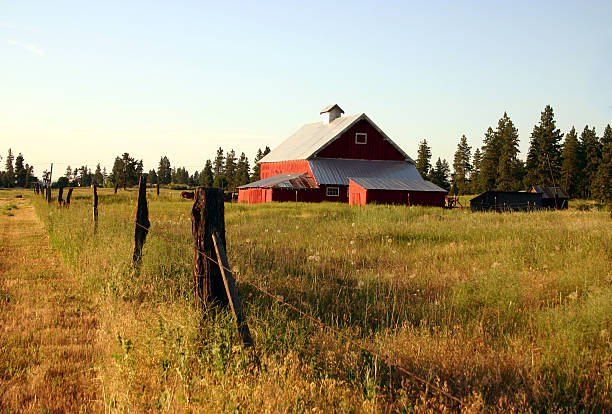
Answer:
x=330 y=107
x=331 y=171
x=290 y=181
x=549 y=192
x=311 y=138
x=396 y=184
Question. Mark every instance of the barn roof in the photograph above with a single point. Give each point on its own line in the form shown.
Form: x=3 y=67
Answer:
x=396 y=184
x=549 y=192
x=290 y=181
x=330 y=107
x=311 y=138
x=330 y=171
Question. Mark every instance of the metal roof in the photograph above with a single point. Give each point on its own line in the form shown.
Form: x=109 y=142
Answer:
x=311 y=138
x=330 y=171
x=291 y=181
x=396 y=184
x=549 y=192
x=329 y=108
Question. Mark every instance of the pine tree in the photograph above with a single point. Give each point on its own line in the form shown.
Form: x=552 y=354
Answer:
x=590 y=159
x=475 y=176
x=229 y=169
x=544 y=153
x=218 y=163
x=164 y=171
x=206 y=177
x=508 y=164
x=440 y=174
x=491 y=151
x=603 y=181
x=20 y=171
x=98 y=178
x=462 y=167
x=423 y=162
x=9 y=173
x=242 y=171
x=571 y=173
x=256 y=167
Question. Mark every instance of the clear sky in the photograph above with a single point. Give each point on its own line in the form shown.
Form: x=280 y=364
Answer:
x=84 y=81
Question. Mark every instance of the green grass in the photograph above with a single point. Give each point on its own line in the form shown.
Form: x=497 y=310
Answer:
x=505 y=311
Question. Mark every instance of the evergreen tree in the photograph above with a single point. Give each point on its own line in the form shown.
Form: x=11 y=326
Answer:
x=126 y=171
x=423 y=162
x=9 y=173
x=229 y=169
x=462 y=167
x=544 y=153
x=164 y=171
x=491 y=151
x=571 y=173
x=256 y=173
x=152 y=177
x=218 y=163
x=590 y=159
x=440 y=174
x=603 y=181
x=98 y=178
x=508 y=165
x=68 y=174
x=206 y=177
x=180 y=176
x=242 y=171
x=475 y=176
x=194 y=179
x=20 y=171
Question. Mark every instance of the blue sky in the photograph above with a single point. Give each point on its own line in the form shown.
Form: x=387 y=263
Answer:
x=82 y=82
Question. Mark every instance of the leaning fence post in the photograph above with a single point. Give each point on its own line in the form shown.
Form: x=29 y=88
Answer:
x=60 y=196
x=232 y=292
x=69 y=196
x=142 y=221
x=207 y=217
x=95 y=207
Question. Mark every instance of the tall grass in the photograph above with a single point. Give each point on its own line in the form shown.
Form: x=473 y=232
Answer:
x=505 y=311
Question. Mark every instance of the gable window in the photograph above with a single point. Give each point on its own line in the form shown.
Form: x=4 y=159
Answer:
x=333 y=191
x=361 y=138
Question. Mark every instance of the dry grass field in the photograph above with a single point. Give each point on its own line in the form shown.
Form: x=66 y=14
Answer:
x=507 y=312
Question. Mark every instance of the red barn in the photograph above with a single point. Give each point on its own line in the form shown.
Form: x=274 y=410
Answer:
x=318 y=161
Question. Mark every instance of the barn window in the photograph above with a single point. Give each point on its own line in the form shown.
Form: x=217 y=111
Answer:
x=361 y=138
x=333 y=191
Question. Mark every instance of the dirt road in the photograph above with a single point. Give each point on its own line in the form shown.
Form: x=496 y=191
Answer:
x=47 y=322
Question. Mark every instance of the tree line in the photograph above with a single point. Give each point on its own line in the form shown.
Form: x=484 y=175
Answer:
x=17 y=173
x=581 y=164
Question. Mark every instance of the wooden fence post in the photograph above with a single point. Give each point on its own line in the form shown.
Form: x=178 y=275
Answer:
x=49 y=185
x=95 y=207
x=207 y=217
x=142 y=221
x=232 y=292
x=60 y=196
x=158 y=185
x=69 y=196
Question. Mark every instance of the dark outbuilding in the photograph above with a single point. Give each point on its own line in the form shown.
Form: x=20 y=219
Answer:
x=552 y=197
x=506 y=201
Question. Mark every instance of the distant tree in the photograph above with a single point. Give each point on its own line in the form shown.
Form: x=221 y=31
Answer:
x=440 y=174
x=68 y=174
x=164 y=171
x=462 y=167
x=423 y=162
x=255 y=174
x=9 y=173
x=218 y=163
x=571 y=172
x=98 y=177
x=220 y=181
x=20 y=171
x=603 y=181
x=63 y=182
x=206 y=177
x=180 y=176
x=475 y=176
x=491 y=151
x=85 y=176
x=152 y=177
x=508 y=167
x=242 y=171
x=194 y=179
x=590 y=159
x=229 y=169
x=126 y=171
x=544 y=153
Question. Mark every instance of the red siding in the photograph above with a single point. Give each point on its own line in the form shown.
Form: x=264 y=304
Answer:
x=270 y=169
x=376 y=148
x=359 y=195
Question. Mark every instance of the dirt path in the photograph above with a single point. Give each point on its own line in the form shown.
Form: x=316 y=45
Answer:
x=47 y=323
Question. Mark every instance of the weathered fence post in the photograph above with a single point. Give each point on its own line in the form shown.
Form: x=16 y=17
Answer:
x=158 y=185
x=49 y=185
x=142 y=221
x=95 y=207
x=69 y=196
x=60 y=196
x=207 y=218
x=116 y=185
x=232 y=292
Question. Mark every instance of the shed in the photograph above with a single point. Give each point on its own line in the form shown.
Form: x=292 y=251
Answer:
x=506 y=201
x=367 y=190
x=552 y=197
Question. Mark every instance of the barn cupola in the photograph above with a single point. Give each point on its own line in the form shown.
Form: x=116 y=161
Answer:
x=330 y=113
